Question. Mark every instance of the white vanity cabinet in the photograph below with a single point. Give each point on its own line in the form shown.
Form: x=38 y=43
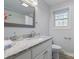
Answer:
x=43 y=50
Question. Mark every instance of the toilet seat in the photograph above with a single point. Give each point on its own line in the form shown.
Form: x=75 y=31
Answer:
x=56 y=48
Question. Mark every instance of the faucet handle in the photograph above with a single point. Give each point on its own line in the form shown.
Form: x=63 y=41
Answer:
x=26 y=35
x=33 y=33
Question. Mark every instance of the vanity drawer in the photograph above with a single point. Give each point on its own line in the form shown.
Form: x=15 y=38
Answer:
x=40 y=48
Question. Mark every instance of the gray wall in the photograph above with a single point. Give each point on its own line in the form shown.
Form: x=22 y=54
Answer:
x=59 y=34
x=42 y=17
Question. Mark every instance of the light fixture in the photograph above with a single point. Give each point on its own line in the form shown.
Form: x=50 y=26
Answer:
x=29 y=2
x=24 y=4
x=35 y=3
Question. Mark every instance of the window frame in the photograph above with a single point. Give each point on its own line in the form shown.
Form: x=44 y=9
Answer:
x=61 y=27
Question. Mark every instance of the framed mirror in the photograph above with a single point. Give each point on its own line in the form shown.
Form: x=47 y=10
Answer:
x=18 y=14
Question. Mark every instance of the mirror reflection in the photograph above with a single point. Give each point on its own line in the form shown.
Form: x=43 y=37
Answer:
x=17 y=12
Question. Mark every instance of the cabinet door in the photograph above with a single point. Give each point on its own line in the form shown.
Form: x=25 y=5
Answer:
x=24 y=55
x=41 y=48
x=48 y=53
x=39 y=57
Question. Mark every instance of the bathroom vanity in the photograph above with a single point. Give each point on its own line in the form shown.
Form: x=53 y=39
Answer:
x=36 y=48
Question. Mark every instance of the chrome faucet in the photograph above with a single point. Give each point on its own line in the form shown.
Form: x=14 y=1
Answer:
x=33 y=33
x=14 y=37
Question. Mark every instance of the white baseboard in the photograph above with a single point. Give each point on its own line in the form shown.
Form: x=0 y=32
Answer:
x=69 y=54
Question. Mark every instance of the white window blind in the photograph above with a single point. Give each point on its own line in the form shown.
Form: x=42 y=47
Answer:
x=61 y=17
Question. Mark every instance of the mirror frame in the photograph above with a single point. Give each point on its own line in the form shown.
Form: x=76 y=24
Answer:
x=21 y=25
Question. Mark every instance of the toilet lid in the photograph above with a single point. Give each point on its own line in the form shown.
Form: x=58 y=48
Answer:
x=55 y=46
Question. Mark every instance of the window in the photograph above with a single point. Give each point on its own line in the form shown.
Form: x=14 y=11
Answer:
x=61 y=17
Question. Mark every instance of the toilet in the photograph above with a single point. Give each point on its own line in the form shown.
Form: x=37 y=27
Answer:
x=55 y=51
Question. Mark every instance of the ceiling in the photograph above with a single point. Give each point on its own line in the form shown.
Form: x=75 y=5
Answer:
x=54 y=2
x=15 y=5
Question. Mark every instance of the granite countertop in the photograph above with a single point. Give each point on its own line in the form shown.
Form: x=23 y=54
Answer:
x=24 y=44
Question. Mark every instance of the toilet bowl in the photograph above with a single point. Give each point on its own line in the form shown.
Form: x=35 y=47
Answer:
x=55 y=51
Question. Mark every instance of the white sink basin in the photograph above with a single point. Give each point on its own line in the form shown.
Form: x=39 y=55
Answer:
x=8 y=44
x=27 y=41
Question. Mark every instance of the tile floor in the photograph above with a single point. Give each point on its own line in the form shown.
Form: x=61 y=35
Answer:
x=63 y=56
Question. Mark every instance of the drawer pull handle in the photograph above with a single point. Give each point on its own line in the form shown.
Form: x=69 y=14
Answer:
x=45 y=52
